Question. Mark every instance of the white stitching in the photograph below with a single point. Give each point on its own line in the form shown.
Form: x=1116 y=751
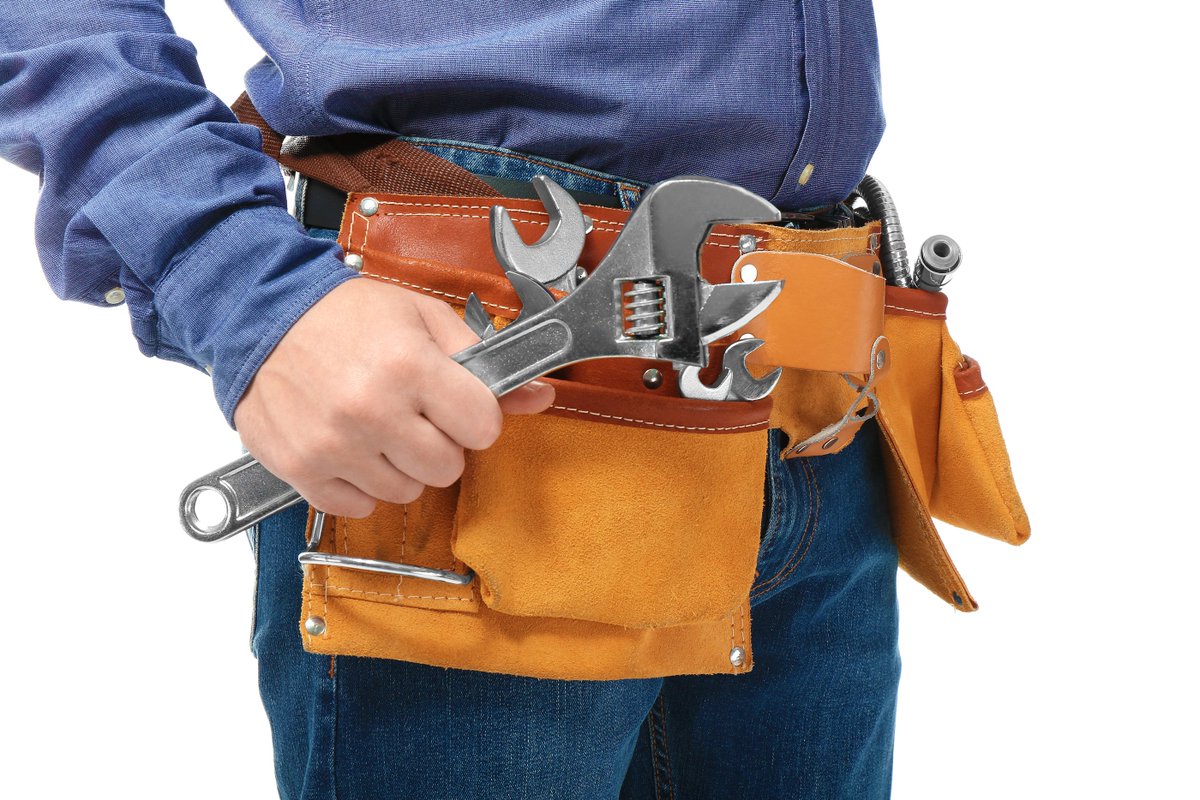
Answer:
x=536 y=222
x=973 y=391
x=939 y=315
x=662 y=424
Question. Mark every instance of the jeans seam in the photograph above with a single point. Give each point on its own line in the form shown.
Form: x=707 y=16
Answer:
x=333 y=724
x=658 y=744
x=776 y=501
x=806 y=537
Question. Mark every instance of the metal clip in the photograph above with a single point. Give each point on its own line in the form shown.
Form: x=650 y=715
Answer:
x=312 y=556
x=827 y=437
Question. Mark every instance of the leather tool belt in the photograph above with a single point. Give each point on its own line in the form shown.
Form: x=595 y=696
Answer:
x=616 y=535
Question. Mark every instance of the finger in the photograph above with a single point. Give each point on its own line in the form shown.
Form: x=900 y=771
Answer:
x=446 y=327
x=532 y=398
x=378 y=478
x=460 y=405
x=339 y=498
x=424 y=453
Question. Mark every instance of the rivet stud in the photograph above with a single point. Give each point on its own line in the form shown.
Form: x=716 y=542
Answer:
x=747 y=243
x=737 y=656
x=354 y=262
x=368 y=206
x=315 y=626
x=652 y=378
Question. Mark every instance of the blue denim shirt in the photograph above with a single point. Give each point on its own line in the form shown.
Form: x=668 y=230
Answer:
x=148 y=183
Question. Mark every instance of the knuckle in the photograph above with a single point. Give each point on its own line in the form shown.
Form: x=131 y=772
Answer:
x=341 y=504
x=350 y=406
x=447 y=468
x=406 y=491
x=488 y=424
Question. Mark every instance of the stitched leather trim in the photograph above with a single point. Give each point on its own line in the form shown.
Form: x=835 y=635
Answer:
x=643 y=410
x=968 y=378
x=915 y=303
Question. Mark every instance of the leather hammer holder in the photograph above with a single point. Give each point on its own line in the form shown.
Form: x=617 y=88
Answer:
x=616 y=535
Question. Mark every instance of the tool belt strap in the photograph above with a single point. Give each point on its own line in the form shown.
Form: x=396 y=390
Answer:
x=827 y=318
x=360 y=162
x=828 y=322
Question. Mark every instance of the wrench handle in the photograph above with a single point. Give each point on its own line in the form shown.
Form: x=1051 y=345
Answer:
x=249 y=492
x=506 y=362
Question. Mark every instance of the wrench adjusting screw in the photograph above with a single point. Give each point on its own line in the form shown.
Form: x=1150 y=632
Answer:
x=645 y=309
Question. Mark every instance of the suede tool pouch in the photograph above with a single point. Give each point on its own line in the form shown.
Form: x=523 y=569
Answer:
x=613 y=536
x=632 y=511
x=947 y=457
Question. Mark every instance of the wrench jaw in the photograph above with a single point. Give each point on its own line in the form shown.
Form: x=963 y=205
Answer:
x=552 y=259
x=735 y=381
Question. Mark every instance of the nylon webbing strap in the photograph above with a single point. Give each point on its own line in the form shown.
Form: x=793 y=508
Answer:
x=364 y=162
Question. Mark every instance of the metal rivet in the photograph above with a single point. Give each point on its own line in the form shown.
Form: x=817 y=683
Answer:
x=652 y=378
x=806 y=174
x=747 y=243
x=314 y=625
x=354 y=262
x=580 y=274
x=830 y=443
x=737 y=656
x=115 y=296
x=748 y=273
x=880 y=359
x=368 y=206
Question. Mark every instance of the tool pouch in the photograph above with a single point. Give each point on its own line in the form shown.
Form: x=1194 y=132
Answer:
x=946 y=455
x=613 y=536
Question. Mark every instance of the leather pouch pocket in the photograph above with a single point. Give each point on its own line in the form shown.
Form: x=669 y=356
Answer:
x=610 y=537
x=617 y=507
x=948 y=458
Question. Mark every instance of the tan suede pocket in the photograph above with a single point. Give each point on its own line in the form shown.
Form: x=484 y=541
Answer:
x=618 y=508
x=947 y=458
x=974 y=488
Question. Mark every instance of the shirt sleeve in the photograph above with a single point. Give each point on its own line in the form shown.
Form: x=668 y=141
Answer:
x=148 y=183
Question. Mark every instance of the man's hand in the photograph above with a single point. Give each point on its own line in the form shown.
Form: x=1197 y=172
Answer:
x=359 y=401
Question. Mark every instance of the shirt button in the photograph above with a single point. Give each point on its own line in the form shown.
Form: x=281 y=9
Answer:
x=806 y=174
x=115 y=296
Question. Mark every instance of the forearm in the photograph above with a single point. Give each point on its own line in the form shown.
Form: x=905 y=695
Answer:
x=149 y=183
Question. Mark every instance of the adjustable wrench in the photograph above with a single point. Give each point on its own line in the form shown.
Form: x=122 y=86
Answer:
x=646 y=299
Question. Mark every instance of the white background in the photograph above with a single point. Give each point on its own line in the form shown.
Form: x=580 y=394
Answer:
x=1055 y=141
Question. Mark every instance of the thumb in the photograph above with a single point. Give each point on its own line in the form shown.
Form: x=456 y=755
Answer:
x=532 y=398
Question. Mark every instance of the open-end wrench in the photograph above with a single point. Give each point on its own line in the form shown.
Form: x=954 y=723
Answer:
x=646 y=299
x=553 y=259
x=735 y=381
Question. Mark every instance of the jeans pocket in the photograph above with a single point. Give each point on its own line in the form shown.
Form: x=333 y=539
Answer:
x=789 y=530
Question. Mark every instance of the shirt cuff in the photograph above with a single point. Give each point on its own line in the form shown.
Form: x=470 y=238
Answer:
x=229 y=298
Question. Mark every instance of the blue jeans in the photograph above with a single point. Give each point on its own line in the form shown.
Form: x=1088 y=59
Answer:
x=814 y=719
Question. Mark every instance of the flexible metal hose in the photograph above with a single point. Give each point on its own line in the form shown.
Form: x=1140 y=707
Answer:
x=893 y=252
